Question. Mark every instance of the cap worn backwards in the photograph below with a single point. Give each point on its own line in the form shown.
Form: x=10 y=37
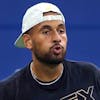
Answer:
x=34 y=16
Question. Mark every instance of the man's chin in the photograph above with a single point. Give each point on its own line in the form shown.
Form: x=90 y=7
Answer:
x=55 y=62
x=52 y=61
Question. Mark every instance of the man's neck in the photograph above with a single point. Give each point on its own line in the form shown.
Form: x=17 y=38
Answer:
x=46 y=73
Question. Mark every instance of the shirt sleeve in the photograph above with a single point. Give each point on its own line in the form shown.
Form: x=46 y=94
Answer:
x=1 y=93
x=6 y=92
x=98 y=80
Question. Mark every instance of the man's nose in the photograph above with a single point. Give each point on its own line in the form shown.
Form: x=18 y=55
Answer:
x=56 y=37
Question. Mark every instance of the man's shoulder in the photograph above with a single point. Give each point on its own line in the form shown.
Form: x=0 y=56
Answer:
x=82 y=70
x=81 y=65
x=13 y=78
x=9 y=85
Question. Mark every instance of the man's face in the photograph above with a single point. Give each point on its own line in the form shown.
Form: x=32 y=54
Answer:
x=49 y=41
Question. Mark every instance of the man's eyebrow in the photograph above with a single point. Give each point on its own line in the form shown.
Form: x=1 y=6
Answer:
x=61 y=25
x=45 y=27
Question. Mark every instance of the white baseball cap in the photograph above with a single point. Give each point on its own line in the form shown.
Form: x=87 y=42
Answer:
x=34 y=16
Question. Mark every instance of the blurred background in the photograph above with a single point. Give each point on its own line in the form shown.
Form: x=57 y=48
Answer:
x=83 y=30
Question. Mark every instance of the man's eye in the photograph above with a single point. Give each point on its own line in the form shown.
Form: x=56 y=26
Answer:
x=61 y=31
x=46 y=32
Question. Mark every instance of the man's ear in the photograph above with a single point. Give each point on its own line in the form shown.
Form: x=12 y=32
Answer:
x=27 y=41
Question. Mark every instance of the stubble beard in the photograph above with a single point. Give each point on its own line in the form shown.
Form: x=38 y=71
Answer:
x=50 y=58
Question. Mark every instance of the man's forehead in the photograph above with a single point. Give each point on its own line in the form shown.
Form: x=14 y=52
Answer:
x=53 y=23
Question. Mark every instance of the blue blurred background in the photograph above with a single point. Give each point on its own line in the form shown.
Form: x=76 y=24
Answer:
x=83 y=29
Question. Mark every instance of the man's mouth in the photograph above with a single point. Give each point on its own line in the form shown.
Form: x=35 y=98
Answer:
x=57 y=49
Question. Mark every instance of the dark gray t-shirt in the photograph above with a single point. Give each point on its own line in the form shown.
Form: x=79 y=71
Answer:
x=79 y=81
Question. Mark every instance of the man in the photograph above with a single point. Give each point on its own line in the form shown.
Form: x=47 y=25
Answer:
x=49 y=76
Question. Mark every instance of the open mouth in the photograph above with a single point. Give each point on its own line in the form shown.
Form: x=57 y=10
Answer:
x=57 y=49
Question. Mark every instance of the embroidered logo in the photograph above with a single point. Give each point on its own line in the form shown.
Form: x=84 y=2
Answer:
x=80 y=95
